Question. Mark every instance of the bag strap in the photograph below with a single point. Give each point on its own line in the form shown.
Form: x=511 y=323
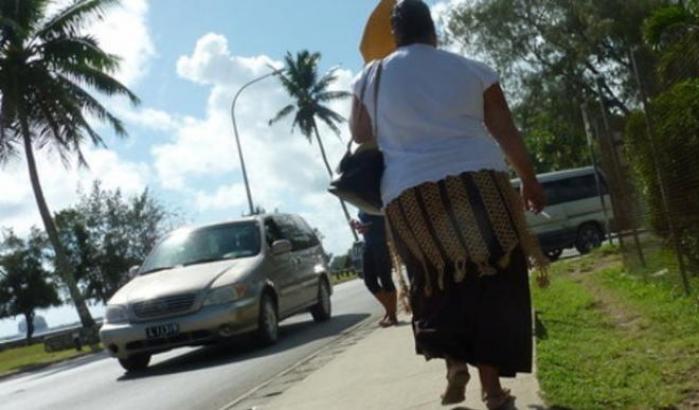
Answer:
x=377 y=85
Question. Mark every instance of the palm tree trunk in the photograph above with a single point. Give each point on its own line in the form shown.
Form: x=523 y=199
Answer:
x=62 y=265
x=330 y=174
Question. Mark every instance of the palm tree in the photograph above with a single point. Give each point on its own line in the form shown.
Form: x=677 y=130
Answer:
x=47 y=70
x=310 y=94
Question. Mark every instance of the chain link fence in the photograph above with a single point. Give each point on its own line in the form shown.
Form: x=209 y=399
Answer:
x=650 y=158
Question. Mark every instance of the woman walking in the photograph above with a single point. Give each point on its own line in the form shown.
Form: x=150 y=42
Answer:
x=445 y=131
x=376 y=265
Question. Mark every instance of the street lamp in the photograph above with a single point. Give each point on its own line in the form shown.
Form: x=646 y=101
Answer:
x=237 y=138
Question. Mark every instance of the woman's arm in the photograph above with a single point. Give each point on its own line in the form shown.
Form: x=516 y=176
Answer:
x=360 y=123
x=498 y=119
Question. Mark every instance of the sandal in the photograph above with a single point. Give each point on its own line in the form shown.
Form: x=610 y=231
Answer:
x=500 y=401
x=456 y=386
x=388 y=321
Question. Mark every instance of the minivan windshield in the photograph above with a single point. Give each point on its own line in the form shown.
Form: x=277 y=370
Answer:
x=216 y=243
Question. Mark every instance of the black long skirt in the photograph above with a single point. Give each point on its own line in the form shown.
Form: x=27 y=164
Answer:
x=481 y=320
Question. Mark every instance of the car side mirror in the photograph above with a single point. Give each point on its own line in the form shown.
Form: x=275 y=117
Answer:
x=133 y=271
x=281 y=246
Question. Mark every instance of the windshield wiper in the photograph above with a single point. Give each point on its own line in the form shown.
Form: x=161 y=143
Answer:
x=156 y=270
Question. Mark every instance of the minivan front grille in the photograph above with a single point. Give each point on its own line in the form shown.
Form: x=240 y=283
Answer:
x=165 y=306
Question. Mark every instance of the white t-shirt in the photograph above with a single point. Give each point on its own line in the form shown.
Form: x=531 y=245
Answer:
x=430 y=117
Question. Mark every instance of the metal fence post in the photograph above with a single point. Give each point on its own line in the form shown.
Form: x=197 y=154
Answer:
x=659 y=176
x=593 y=156
x=617 y=170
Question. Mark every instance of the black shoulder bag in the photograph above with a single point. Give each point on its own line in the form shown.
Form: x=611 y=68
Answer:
x=359 y=179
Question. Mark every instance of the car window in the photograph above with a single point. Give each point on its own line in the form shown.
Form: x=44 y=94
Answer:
x=221 y=242
x=573 y=189
x=272 y=232
x=554 y=192
x=310 y=237
x=582 y=187
x=293 y=232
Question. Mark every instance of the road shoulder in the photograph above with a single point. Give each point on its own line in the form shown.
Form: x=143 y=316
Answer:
x=382 y=371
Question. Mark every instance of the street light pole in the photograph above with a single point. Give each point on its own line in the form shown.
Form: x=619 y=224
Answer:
x=237 y=137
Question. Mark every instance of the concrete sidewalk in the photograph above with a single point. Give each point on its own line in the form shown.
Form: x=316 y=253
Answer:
x=383 y=372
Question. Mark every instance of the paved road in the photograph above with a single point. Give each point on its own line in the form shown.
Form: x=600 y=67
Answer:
x=189 y=378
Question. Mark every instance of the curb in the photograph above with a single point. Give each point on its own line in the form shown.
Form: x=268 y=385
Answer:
x=333 y=348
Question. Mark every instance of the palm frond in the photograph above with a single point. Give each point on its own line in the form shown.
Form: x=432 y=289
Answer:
x=305 y=119
x=70 y=20
x=98 y=80
x=94 y=107
x=331 y=119
x=284 y=112
x=325 y=81
x=332 y=125
x=26 y=16
x=333 y=95
x=292 y=88
x=8 y=144
x=68 y=138
x=82 y=50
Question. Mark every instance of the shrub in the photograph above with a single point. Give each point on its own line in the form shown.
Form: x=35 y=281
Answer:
x=674 y=116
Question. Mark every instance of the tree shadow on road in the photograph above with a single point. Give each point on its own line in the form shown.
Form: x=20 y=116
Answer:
x=290 y=337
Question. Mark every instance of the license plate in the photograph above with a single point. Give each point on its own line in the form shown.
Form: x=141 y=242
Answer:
x=166 y=330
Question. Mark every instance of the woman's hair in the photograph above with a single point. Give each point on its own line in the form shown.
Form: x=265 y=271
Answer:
x=412 y=23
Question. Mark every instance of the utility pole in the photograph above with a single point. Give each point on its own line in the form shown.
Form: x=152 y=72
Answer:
x=237 y=137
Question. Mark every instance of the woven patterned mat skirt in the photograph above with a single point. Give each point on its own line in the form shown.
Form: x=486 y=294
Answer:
x=475 y=317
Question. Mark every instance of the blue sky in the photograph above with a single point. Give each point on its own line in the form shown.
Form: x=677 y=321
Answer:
x=186 y=59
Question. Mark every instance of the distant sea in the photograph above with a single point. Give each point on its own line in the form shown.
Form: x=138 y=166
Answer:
x=55 y=317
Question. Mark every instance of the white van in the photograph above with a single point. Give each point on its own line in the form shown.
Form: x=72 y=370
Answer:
x=574 y=215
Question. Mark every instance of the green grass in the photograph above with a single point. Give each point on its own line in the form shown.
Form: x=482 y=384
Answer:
x=661 y=266
x=609 y=340
x=21 y=358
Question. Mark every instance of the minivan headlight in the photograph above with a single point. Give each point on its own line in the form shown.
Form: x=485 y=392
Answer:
x=116 y=314
x=225 y=294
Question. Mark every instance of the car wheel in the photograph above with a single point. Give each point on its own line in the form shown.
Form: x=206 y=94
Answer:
x=554 y=254
x=136 y=362
x=589 y=237
x=268 y=321
x=322 y=310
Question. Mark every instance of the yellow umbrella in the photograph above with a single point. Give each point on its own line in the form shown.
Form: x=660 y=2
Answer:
x=377 y=41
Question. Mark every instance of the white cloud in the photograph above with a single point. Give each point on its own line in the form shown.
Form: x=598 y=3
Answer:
x=17 y=205
x=285 y=171
x=225 y=197
x=212 y=63
x=124 y=32
x=147 y=117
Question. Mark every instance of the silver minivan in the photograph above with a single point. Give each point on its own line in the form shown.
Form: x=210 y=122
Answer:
x=575 y=215
x=211 y=283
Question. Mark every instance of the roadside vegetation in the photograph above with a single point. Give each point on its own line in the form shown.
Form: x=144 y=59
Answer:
x=607 y=338
x=104 y=234
x=29 y=357
x=343 y=276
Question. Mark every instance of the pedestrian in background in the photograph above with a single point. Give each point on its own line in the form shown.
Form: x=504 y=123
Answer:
x=445 y=131
x=376 y=265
